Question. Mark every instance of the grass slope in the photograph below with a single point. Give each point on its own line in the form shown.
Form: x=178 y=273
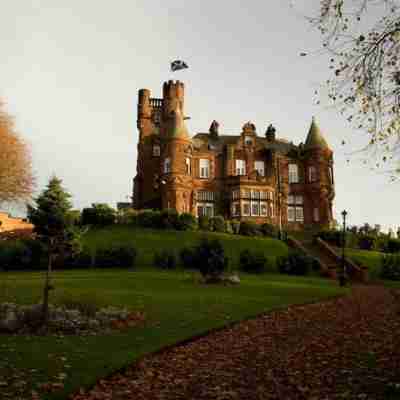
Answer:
x=367 y=258
x=176 y=306
x=148 y=241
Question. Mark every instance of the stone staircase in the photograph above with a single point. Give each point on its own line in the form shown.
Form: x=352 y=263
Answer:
x=329 y=258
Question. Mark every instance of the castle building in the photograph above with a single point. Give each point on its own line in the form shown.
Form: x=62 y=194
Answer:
x=247 y=176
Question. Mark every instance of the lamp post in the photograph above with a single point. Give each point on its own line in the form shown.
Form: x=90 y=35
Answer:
x=342 y=276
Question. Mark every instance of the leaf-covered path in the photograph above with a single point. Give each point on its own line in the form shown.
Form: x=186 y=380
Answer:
x=347 y=348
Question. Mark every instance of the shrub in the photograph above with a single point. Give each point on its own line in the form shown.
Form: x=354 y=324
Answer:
x=187 y=256
x=169 y=219
x=366 y=242
x=269 y=230
x=390 y=267
x=211 y=260
x=295 y=263
x=187 y=222
x=228 y=227
x=204 y=223
x=249 y=229
x=235 y=226
x=252 y=262
x=15 y=255
x=100 y=214
x=148 y=219
x=217 y=223
x=115 y=257
x=165 y=260
x=392 y=246
x=332 y=236
x=208 y=257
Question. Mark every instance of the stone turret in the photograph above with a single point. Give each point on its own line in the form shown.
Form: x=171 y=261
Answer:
x=315 y=138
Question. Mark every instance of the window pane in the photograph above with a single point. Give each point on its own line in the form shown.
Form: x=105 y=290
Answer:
x=290 y=199
x=291 y=216
x=246 y=209
x=299 y=200
x=293 y=173
x=299 y=214
x=255 y=210
x=240 y=167
x=316 y=214
x=156 y=150
x=259 y=167
x=263 y=210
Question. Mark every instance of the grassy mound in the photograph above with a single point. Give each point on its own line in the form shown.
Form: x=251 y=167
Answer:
x=148 y=241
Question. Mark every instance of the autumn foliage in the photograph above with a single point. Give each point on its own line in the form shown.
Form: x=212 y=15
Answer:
x=16 y=178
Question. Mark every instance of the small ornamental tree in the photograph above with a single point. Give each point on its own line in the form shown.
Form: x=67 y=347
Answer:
x=54 y=229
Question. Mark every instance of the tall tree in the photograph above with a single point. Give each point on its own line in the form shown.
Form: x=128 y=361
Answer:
x=363 y=39
x=16 y=178
x=54 y=227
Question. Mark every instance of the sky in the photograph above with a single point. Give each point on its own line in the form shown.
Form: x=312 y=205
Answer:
x=71 y=71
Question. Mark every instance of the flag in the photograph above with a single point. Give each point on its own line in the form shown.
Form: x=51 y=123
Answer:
x=177 y=65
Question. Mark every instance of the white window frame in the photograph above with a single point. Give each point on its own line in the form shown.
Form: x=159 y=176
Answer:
x=208 y=209
x=167 y=165
x=204 y=168
x=293 y=173
x=236 y=209
x=156 y=150
x=240 y=167
x=299 y=214
x=248 y=204
x=291 y=214
x=259 y=166
x=264 y=209
x=255 y=213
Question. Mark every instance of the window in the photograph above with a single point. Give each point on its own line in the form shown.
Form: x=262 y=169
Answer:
x=205 y=210
x=312 y=174
x=188 y=166
x=259 y=167
x=255 y=208
x=255 y=195
x=240 y=167
x=248 y=141
x=202 y=195
x=293 y=173
x=330 y=173
x=246 y=209
x=295 y=208
x=167 y=166
x=316 y=214
x=204 y=168
x=156 y=150
x=236 y=209
x=263 y=209
x=246 y=194
x=271 y=206
x=236 y=194
x=263 y=195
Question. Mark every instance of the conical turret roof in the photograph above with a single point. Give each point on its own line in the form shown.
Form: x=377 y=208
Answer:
x=177 y=128
x=315 y=137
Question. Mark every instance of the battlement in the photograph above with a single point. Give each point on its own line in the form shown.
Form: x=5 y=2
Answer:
x=173 y=89
x=156 y=103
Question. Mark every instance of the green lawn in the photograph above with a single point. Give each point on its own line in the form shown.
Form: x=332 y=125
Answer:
x=148 y=241
x=369 y=259
x=176 y=305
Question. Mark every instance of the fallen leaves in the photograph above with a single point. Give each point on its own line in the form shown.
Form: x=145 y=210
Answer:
x=347 y=348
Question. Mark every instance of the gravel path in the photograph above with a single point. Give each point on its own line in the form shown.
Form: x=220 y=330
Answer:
x=347 y=348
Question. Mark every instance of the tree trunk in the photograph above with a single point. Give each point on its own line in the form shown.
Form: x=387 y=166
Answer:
x=46 y=290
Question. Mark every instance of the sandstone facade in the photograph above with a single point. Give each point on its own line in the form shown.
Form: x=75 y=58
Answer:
x=245 y=176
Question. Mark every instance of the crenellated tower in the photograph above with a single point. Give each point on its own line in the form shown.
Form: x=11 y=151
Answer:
x=177 y=150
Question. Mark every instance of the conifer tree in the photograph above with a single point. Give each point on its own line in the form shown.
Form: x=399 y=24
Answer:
x=54 y=228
